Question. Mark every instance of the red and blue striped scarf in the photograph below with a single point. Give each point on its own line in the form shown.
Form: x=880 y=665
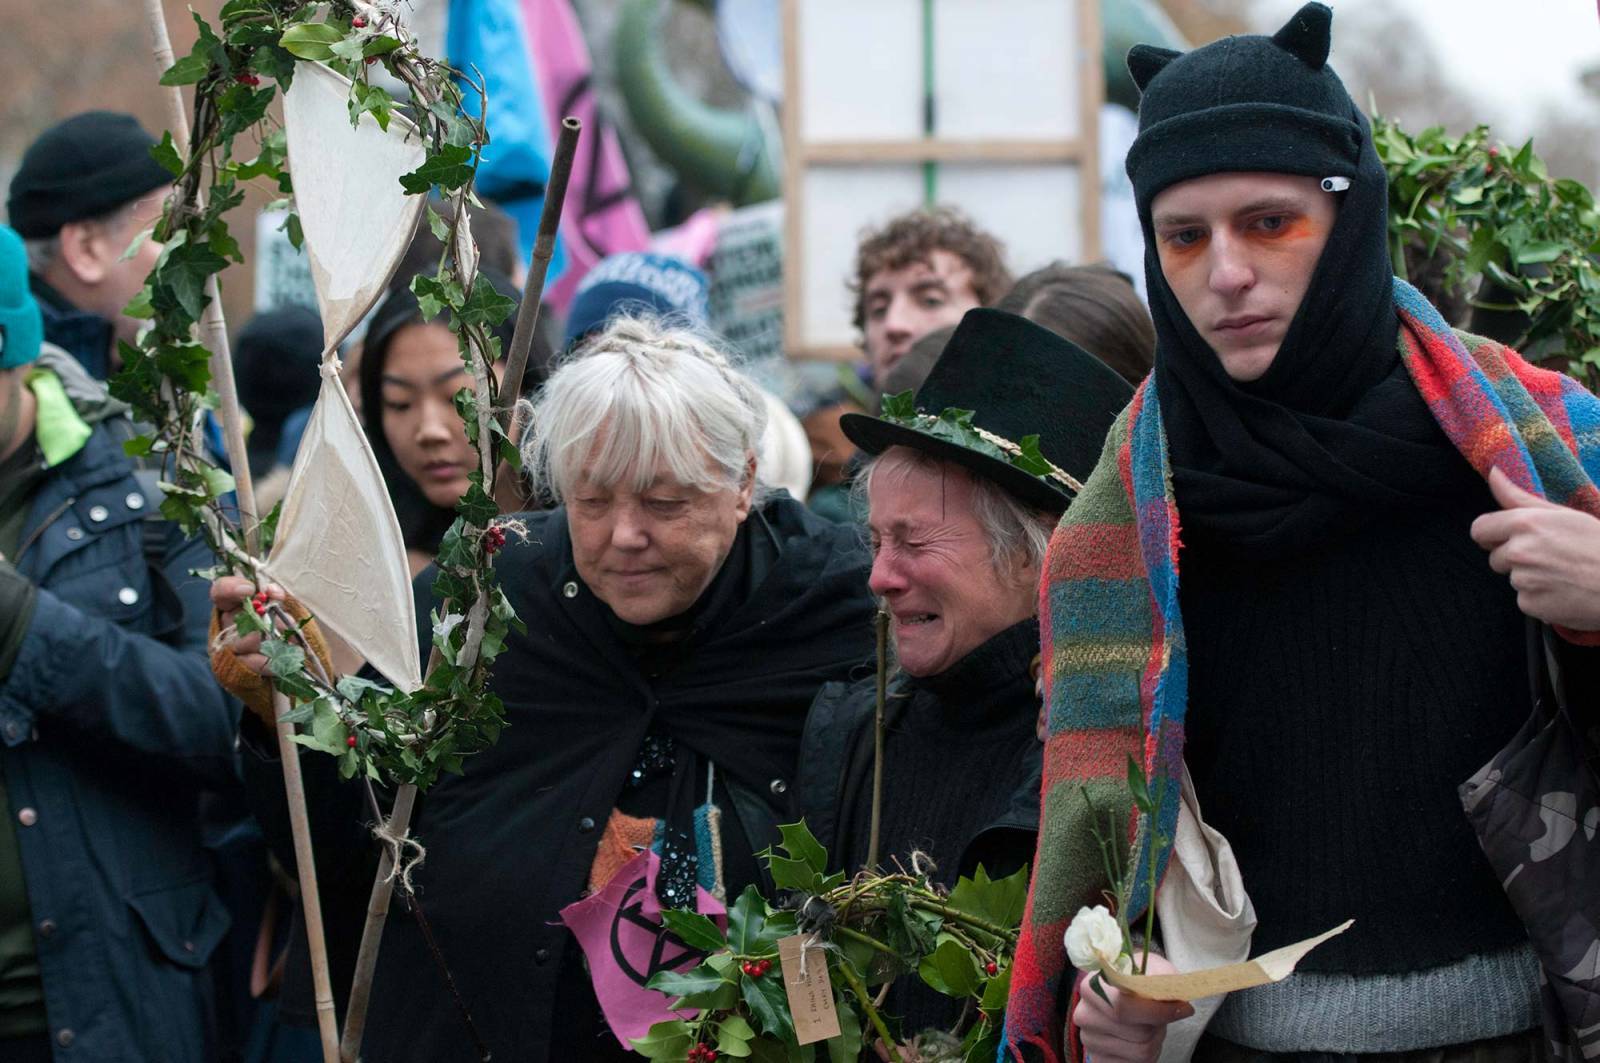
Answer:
x=1115 y=658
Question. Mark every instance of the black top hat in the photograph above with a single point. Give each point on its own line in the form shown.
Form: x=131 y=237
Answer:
x=1015 y=403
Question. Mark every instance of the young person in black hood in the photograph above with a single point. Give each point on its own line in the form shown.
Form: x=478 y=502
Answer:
x=1351 y=654
x=409 y=374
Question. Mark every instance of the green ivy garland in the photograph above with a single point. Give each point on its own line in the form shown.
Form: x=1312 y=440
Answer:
x=236 y=70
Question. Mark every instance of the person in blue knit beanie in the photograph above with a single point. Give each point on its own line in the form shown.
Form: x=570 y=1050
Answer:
x=108 y=919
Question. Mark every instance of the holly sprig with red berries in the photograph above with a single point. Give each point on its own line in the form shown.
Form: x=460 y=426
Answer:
x=869 y=930
x=237 y=68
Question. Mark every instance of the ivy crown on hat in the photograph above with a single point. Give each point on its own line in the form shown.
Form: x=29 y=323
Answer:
x=1247 y=103
x=1011 y=401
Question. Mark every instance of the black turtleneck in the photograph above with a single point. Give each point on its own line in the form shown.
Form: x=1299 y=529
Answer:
x=957 y=746
x=1337 y=698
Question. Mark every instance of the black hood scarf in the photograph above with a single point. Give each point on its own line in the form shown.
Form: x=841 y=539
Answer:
x=1334 y=433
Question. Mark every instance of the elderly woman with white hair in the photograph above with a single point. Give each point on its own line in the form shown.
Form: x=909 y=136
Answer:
x=680 y=617
x=960 y=504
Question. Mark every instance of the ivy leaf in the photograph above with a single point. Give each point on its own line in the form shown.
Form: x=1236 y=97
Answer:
x=449 y=168
x=348 y=48
x=437 y=225
x=380 y=44
x=1030 y=458
x=181 y=278
x=694 y=930
x=901 y=407
x=218 y=481
x=373 y=99
x=311 y=40
x=187 y=364
x=188 y=70
x=476 y=506
x=486 y=306
x=166 y=153
x=242 y=107
x=283 y=659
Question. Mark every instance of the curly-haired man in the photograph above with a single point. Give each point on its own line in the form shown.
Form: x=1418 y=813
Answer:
x=921 y=271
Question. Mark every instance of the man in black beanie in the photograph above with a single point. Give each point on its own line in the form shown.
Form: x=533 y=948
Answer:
x=1337 y=654
x=86 y=190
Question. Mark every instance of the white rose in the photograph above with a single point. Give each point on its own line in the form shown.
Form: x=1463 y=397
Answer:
x=1094 y=941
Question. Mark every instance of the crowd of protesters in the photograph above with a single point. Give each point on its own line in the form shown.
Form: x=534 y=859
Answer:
x=1363 y=539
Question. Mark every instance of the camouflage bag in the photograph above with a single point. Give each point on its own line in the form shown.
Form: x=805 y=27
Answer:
x=1536 y=808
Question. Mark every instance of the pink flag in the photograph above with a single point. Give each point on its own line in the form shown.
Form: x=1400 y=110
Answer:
x=601 y=215
x=623 y=939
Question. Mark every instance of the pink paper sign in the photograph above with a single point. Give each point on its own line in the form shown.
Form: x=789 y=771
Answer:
x=622 y=937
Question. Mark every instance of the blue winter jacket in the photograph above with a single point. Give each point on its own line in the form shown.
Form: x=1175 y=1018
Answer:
x=110 y=726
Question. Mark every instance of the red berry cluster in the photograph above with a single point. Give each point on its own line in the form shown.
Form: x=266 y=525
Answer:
x=359 y=22
x=247 y=79
x=756 y=968
x=494 y=537
x=991 y=968
x=350 y=740
x=701 y=1054
x=259 y=603
x=369 y=60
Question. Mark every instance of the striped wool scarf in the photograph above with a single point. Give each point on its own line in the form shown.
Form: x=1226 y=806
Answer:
x=1115 y=658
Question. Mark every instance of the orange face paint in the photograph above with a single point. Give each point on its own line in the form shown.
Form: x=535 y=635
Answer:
x=1294 y=230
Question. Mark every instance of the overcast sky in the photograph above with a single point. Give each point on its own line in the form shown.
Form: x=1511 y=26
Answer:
x=1511 y=55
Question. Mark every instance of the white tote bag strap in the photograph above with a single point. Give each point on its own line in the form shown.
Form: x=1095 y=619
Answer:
x=1206 y=916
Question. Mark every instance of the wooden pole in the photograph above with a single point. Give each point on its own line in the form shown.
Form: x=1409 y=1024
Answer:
x=216 y=333
x=877 y=739
x=544 y=246
x=355 y=1021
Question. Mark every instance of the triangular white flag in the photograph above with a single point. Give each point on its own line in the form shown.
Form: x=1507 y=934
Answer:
x=338 y=547
x=356 y=218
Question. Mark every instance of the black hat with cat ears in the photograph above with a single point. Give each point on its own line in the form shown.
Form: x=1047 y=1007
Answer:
x=1249 y=103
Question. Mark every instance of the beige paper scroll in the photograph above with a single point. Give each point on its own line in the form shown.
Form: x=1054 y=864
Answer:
x=1274 y=966
x=338 y=547
x=357 y=219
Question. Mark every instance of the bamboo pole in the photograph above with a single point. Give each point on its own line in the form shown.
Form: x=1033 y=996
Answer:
x=544 y=247
x=216 y=333
x=398 y=825
x=877 y=739
x=355 y=1021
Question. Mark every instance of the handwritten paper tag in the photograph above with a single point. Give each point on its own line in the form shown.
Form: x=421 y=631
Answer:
x=805 y=979
x=1273 y=966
